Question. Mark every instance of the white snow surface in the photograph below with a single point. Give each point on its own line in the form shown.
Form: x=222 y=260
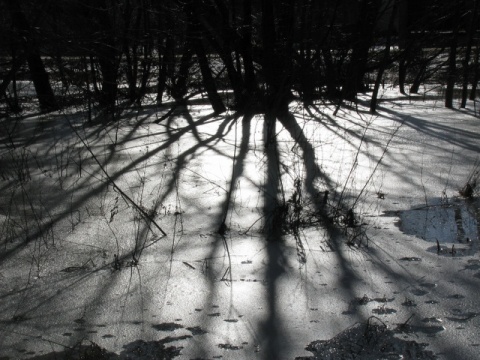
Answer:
x=239 y=296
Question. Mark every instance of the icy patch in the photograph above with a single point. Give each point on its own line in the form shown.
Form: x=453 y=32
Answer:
x=449 y=223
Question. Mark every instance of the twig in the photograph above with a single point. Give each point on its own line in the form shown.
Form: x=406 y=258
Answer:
x=246 y=231
x=188 y=265
x=354 y=165
x=122 y=193
x=423 y=185
x=404 y=325
x=378 y=162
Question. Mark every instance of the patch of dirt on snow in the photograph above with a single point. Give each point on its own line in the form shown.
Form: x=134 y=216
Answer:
x=145 y=350
x=371 y=340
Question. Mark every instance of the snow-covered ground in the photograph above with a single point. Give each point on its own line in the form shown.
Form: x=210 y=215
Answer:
x=80 y=205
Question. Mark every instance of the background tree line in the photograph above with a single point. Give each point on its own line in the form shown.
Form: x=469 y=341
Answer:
x=262 y=53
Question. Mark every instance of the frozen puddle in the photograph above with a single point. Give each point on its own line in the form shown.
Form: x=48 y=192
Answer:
x=455 y=224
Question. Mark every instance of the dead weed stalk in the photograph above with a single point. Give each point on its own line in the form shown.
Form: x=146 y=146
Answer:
x=470 y=188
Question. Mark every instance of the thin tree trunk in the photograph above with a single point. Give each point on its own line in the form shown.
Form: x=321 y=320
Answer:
x=10 y=77
x=165 y=49
x=108 y=94
x=402 y=75
x=165 y=58
x=225 y=47
x=422 y=72
x=208 y=81
x=331 y=79
x=41 y=82
x=88 y=92
x=147 y=57
x=270 y=62
x=58 y=55
x=196 y=40
x=405 y=47
x=285 y=52
x=179 y=88
x=306 y=69
x=468 y=51
x=246 y=44
x=452 y=58
x=362 y=39
x=476 y=75
x=40 y=79
x=131 y=38
x=16 y=64
x=128 y=50
x=385 y=61
x=106 y=53
x=270 y=70
x=452 y=69
x=94 y=76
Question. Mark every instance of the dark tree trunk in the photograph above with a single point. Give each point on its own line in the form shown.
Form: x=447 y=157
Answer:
x=194 y=34
x=402 y=75
x=405 y=47
x=271 y=72
x=165 y=49
x=137 y=47
x=10 y=77
x=225 y=47
x=147 y=50
x=88 y=92
x=130 y=51
x=108 y=67
x=452 y=57
x=418 y=79
x=276 y=66
x=286 y=15
x=107 y=56
x=179 y=88
x=93 y=71
x=58 y=47
x=166 y=58
x=268 y=39
x=361 y=39
x=277 y=54
x=385 y=61
x=331 y=78
x=246 y=49
x=422 y=71
x=46 y=97
x=452 y=66
x=41 y=82
x=235 y=78
x=208 y=81
x=476 y=75
x=471 y=32
x=305 y=68
x=16 y=64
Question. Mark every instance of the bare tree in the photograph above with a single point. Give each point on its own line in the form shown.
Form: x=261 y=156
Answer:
x=40 y=78
x=385 y=61
x=195 y=36
x=452 y=59
x=472 y=28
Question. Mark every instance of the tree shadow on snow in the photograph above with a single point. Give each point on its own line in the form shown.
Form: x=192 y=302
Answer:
x=108 y=164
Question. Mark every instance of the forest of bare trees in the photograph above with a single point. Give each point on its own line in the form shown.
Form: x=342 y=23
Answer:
x=262 y=53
